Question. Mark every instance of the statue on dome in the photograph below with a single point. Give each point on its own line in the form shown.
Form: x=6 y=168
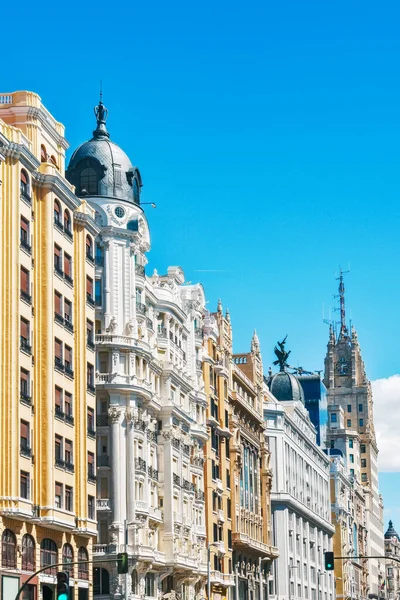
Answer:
x=281 y=354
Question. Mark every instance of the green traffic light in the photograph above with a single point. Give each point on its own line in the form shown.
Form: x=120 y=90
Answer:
x=63 y=597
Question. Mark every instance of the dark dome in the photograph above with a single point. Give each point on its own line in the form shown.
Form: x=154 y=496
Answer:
x=101 y=168
x=391 y=532
x=285 y=386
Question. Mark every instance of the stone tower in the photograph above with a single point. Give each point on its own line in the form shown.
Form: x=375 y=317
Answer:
x=351 y=430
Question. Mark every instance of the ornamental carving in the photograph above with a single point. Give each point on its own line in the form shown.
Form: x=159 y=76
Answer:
x=114 y=413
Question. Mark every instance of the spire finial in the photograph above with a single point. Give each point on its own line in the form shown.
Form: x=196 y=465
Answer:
x=101 y=117
x=228 y=315
x=219 y=307
x=255 y=342
x=343 y=327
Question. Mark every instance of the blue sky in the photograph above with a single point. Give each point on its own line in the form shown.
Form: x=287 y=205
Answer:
x=267 y=133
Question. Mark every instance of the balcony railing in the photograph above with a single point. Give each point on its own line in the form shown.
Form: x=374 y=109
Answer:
x=186 y=449
x=90 y=299
x=60 y=414
x=101 y=420
x=161 y=332
x=103 y=461
x=92 y=477
x=90 y=342
x=68 y=278
x=69 y=467
x=69 y=419
x=139 y=425
x=176 y=479
x=140 y=308
x=198 y=332
x=25 y=451
x=58 y=318
x=60 y=463
x=58 y=224
x=58 y=363
x=68 y=232
x=25 y=296
x=90 y=257
x=69 y=370
x=25 y=398
x=91 y=387
x=200 y=495
x=25 y=245
x=58 y=269
x=199 y=365
x=25 y=196
x=149 y=324
x=25 y=345
x=140 y=464
x=188 y=485
x=91 y=432
x=140 y=270
x=153 y=473
x=68 y=323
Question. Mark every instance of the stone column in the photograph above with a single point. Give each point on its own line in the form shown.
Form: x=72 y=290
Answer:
x=107 y=289
x=130 y=472
x=115 y=456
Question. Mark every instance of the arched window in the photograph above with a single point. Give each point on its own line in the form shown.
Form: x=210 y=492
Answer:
x=43 y=153
x=53 y=161
x=8 y=550
x=68 y=558
x=88 y=181
x=136 y=197
x=135 y=582
x=57 y=212
x=101 y=581
x=48 y=555
x=28 y=553
x=89 y=247
x=133 y=225
x=24 y=184
x=67 y=221
x=83 y=569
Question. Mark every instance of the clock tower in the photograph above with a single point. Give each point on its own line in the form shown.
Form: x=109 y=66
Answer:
x=351 y=431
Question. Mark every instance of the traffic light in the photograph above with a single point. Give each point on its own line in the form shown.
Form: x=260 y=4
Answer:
x=329 y=561
x=62 y=586
x=122 y=563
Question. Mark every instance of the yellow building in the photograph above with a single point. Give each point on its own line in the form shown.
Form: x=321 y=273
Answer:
x=47 y=359
x=237 y=475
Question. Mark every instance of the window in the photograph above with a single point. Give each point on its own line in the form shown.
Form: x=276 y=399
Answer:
x=69 y=501
x=364 y=462
x=68 y=558
x=25 y=335
x=68 y=452
x=90 y=420
x=360 y=408
x=149 y=585
x=24 y=437
x=364 y=477
x=25 y=485
x=24 y=185
x=101 y=581
x=348 y=422
x=88 y=181
x=68 y=360
x=25 y=284
x=58 y=354
x=89 y=248
x=68 y=314
x=83 y=569
x=334 y=418
x=67 y=223
x=229 y=539
x=57 y=213
x=351 y=471
x=361 y=422
x=58 y=450
x=58 y=259
x=24 y=234
x=351 y=443
x=58 y=495
x=89 y=289
x=48 y=555
x=24 y=383
x=349 y=408
x=58 y=306
x=68 y=267
x=352 y=458
x=135 y=191
x=91 y=464
x=43 y=153
x=332 y=443
x=28 y=553
x=91 y=508
x=119 y=212
x=97 y=291
x=8 y=550
x=68 y=404
x=135 y=582
x=90 y=377
x=89 y=333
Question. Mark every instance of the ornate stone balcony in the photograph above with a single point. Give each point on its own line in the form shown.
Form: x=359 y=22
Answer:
x=103 y=504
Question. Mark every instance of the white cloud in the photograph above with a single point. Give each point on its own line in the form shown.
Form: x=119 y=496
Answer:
x=387 y=422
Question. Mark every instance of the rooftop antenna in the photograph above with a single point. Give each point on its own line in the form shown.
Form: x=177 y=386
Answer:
x=342 y=307
x=101 y=90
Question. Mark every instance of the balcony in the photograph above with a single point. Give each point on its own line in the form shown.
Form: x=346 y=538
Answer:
x=220 y=485
x=90 y=342
x=92 y=477
x=69 y=370
x=188 y=485
x=25 y=346
x=140 y=270
x=90 y=387
x=198 y=332
x=58 y=224
x=58 y=318
x=25 y=398
x=199 y=365
x=140 y=308
x=200 y=496
x=26 y=297
x=141 y=506
x=140 y=465
x=59 y=413
x=153 y=473
x=60 y=463
x=149 y=324
x=91 y=432
x=103 y=461
x=68 y=233
x=90 y=300
x=58 y=269
x=26 y=197
x=69 y=419
x=176 y=479
x=103 y=504
x=69 y=467
x=58 y=364
x=221 y=516
x=161 y=332
x=90 y=257
x=68 y=323
x=25 y=245
x=102 y=420
x=100 y=550
x=68 y=278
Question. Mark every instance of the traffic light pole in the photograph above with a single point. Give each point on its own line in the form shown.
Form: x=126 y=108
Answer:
x=64 y=564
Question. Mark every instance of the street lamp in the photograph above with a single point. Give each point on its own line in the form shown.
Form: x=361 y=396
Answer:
x=290 y=571
x=209 y=546
x=260 y=562
x=152 y=204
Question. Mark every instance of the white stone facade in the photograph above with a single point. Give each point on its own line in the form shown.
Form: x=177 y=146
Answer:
x=300 y=499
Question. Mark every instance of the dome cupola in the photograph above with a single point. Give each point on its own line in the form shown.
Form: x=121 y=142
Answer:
x=391 y=532
x=283 y=385
x=100 y=168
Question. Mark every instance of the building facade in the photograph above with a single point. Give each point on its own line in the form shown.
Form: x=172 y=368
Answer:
x=392 y=553
x=350 y=403
x=151 y=404
x=47 y=504
x=300 y=495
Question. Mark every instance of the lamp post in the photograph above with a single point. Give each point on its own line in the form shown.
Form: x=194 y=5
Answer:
x=260 y=562
x=289 y=573
x=209 y=546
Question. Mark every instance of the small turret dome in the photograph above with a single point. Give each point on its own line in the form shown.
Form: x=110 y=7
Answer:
x=391 y=532
x=99 y=167
x=285 y=387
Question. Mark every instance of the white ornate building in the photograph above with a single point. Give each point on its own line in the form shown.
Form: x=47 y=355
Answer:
x=151 y=407
x=300 y=496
